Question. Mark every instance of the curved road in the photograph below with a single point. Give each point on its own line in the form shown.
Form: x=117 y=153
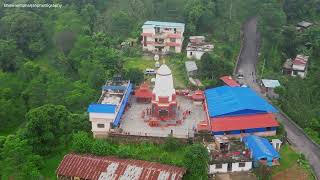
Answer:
x=247 y=66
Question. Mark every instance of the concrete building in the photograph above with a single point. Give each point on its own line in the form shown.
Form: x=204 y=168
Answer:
x=164 y=104
x=191 y=68
x=229 y=156
x=162 y=37
x=197 y=47
x=89 y=167
x=296 y=67
x=237 y=111
x=106 y=113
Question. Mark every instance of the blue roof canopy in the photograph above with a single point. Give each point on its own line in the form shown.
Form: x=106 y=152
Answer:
x=102 y=108
x=260 y=148
x=234 y=101
x=126 y=96
x=163 y=24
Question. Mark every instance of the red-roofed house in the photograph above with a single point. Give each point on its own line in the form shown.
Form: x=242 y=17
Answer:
x=198 y=97
x=89 y=167
x=229 y=81
x=257 y=124
x=300 y=66
x=297 y=66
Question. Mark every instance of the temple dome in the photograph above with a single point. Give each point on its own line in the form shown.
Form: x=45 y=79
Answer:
x=164 y=70
x=164 y=83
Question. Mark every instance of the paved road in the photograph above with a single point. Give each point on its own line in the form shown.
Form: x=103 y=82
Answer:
x=247 y=66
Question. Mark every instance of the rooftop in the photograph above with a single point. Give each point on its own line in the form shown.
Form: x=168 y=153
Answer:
x=94 y=168
x=162 y=24
x=300 y=60
x=191 y=66
x=304 y=24
x=243 y=122
x=233 y=101
x=270 y=83
x=236 y=153
x=228 y=80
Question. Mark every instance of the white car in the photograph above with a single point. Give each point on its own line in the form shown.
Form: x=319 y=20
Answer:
x=150 y=72
x=240 y=76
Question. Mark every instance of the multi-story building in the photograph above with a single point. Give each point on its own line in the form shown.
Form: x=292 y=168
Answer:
x=297 y=66
x=162 y=37
x=106 y=113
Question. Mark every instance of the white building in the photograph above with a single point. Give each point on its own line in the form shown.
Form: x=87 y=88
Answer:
x=197 y=47
x=300 y=66
x=106 y=113
x=162 y=37
x=230 y=167
x=268 y=86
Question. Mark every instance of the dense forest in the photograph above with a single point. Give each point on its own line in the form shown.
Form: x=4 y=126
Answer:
x=54 y=61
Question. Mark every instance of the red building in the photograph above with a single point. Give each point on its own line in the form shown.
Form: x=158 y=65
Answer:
x=143 y=93
x=164 y=104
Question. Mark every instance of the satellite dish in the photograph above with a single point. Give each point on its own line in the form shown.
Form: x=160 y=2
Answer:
x=156 y=57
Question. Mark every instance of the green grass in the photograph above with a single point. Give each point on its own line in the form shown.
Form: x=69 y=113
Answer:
x=288 y=158
x=51 y=163
x=139 y=62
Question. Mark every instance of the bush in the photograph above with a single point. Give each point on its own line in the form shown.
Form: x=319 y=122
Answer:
x=172 y=144
x=81 y=142
x=102 y=148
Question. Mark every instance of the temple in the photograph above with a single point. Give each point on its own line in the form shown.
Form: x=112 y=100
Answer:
x=164 y=102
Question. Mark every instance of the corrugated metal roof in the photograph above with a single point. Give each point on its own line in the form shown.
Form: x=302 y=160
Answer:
x=229 y=81
x=162 y=24
x=123 y=105
x=232 y=101
x=191 y=66
x=94 y=168
x=243 y=122
x=260 y=148
x=102 y=108
x=270 y=83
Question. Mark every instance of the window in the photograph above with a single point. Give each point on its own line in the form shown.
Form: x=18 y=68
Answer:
x=242 y=164
x=100 y=125
x=227 y=132
x=242 y=131
x=175 y=30
x=172 y=40
x=218 y=166
x=268 y=128
x=191 y=53
x=172 y=48
x=157 y=29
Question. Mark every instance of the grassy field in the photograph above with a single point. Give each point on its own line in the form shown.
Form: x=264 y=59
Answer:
x=139 y=62
x=289 y=166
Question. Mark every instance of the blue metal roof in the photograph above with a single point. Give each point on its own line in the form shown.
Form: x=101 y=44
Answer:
x=163 y=24
x=102 y=108
x=260 y=148
x=126 y=96
x=234 y=101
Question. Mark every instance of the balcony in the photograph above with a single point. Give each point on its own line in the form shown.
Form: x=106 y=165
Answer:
x=173 y=44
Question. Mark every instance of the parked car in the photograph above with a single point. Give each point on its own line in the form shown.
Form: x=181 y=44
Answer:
x=240 y=76
x=150 y=72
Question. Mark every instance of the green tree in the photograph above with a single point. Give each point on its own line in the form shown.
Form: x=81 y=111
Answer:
x=10 y=57
x=28 y=31
x=17 y=160
x=103 y=148
x=46 y=126
x=135 y=75
x=196 y=161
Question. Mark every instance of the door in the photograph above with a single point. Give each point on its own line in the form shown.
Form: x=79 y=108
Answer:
x=229 y=167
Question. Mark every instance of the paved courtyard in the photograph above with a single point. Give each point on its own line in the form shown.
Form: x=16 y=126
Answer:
x=132 y=122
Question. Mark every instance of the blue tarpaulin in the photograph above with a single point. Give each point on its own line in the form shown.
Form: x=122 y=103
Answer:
x=234 y=101
x=102 y=108
x=261 y=148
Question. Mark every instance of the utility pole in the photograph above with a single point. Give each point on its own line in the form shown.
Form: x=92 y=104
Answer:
x=230 y=11
x=264 y=62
